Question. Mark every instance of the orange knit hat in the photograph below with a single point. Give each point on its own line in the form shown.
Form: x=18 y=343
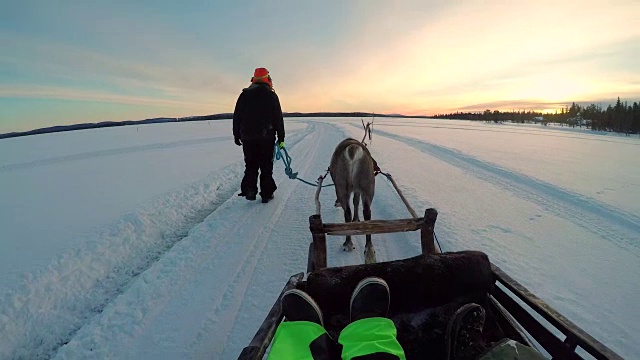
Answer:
x=262 y=75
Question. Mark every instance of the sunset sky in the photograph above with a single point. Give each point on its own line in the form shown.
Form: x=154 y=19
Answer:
x=64 y=62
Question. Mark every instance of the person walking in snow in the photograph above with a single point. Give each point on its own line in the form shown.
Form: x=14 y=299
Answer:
x=257 y=120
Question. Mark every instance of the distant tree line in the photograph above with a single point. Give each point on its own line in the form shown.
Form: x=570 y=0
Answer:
x=621 y=117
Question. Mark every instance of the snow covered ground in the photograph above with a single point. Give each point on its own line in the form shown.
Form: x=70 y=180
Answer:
x=131 y=242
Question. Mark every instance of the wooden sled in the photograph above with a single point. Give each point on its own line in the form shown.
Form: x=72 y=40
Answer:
x=425 y=291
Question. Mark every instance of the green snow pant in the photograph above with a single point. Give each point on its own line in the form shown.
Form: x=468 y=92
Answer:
x=306 y=340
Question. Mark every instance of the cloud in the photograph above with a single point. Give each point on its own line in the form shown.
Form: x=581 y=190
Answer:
x=411 y=57
x=477 y=53
x=43 y=92
x=168 y=78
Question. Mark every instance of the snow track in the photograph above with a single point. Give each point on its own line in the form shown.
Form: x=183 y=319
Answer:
x=250 y=249
x=193 y=272
x=527 y=129
x=606 y=221
x=93 y=276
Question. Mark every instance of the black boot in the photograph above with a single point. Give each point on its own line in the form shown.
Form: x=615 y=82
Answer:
x=297 y=305
x=267 y=198
x=250 y=195
x=464 y=333
x=370 y=299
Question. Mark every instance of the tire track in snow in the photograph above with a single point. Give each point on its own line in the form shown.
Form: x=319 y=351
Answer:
x=287 y=249
x=549 y=132
x=610 y=223
x=225 y=314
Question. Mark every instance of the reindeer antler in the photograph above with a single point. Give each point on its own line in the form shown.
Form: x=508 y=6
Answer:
x=367 y=131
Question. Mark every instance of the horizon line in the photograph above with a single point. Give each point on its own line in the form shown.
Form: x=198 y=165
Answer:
x=229 y=115
x=160 y=120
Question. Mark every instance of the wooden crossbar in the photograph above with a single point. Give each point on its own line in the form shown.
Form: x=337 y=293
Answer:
x=372 y=227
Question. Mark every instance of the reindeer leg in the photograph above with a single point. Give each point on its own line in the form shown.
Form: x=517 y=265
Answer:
x=356 y=205
x=348 y=244
x=369 y=251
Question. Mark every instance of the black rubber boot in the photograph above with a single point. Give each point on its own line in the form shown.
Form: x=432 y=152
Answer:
x=297 y=305
x=370 y=299
x=464 y=333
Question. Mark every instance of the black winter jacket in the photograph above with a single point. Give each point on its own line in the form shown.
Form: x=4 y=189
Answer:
x=258 y=114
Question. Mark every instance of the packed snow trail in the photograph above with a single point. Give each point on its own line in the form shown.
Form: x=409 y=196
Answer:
x=608 y=222
x=209 y=293
x=45 y=311
x=583 y=269
x=193 y=271
x=528 y=129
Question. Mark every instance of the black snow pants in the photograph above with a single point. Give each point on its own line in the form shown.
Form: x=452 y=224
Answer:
x=258 y=155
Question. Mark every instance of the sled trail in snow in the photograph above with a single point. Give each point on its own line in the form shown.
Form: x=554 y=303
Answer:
x=607 y=221
x=184 y=268
x=204 y=294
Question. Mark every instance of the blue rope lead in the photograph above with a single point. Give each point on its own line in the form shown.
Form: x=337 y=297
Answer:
x=286 y=160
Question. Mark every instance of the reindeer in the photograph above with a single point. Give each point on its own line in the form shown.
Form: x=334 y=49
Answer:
x=352 y=172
